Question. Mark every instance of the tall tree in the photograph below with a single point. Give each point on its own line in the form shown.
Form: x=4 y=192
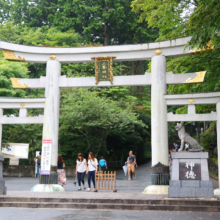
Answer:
x=94 y=117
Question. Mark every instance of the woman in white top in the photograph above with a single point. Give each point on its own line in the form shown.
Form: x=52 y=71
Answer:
x=81 y=167
x=91 y=169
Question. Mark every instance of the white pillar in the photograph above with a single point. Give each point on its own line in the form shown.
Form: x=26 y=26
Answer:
x=159 y=126
x=52 y=106
x=218 y=138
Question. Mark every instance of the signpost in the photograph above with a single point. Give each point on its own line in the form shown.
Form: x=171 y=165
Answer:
x=103 y=69
x=14 y=152
x=11 y=150
x=46 y=157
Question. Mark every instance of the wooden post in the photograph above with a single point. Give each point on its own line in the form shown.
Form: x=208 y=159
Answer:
x=111 y=180
x=108 y=179
x=115 y=190
x=105 y=179
x=102 y=179
x=98 y=181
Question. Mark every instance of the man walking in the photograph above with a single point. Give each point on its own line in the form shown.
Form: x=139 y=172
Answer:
x=38 y=161
x=131 y=165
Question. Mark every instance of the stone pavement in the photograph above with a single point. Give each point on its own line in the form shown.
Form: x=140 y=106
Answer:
x=143 y=179
x=19 y=187
x=62 y=214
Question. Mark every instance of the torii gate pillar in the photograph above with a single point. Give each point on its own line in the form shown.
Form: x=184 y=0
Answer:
x=51 y=114
x=159 y=126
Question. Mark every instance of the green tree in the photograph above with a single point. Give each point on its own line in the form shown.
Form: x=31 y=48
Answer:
x=11 y=70
x=86 y=113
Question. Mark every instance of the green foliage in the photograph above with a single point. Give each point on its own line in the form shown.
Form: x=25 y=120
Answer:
x=11 y=70
x=85 y=113
x=105 y=22
x=209 y=137
x=65 y=23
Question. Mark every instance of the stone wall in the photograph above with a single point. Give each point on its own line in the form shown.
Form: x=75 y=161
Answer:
x=29 y=171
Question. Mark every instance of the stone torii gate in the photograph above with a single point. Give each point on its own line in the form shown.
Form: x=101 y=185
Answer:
x=158 y=79
x=191 y=100
x=22 y=104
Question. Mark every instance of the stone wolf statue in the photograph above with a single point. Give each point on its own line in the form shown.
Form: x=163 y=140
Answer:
x=184 y=137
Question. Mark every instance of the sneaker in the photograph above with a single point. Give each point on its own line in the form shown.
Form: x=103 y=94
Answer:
x=134 y=177
x=79 y=189
x=129 y=178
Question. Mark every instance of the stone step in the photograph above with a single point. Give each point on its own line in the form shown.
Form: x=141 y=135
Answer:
x=171 y=202
x=108 y=206
x=160 y=205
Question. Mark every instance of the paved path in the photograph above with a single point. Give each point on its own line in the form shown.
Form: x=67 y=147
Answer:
x=143 y=179
x=61 y=214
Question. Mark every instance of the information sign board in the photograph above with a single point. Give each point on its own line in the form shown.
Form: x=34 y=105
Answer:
x=46 y=157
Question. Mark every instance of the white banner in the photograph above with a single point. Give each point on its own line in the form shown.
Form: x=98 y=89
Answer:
x=46 y=157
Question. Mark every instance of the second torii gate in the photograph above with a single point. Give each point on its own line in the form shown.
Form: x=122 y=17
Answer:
x=191 y=100
x=158 y=79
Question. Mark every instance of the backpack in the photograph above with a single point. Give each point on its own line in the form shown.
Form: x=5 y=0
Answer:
x=38 y=161
x=102 y=163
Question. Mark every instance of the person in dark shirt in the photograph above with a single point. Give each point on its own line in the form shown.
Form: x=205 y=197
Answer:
x=131 y=165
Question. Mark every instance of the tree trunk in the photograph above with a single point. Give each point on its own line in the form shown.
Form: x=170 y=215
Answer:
x=132 y=73
x=106 y=36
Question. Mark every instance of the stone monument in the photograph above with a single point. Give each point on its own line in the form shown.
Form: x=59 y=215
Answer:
x=184 y=137
x=189 y=173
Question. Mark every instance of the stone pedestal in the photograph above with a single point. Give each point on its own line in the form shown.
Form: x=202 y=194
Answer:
x=47 y=188
x=190 y=176
x=3 y=189
x=46 y=179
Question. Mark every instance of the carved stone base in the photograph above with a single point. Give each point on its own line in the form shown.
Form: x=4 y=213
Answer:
x=46 y=179
x=160 y=175
x=190 y=176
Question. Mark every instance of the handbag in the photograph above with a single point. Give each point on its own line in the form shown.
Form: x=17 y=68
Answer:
x=75 y=181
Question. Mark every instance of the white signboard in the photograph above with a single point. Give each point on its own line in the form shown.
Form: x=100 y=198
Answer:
x=14 y=161
x=10 y=150
x=46 y=157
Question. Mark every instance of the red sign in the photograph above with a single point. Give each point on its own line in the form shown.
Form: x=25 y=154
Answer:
x=47 y=141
